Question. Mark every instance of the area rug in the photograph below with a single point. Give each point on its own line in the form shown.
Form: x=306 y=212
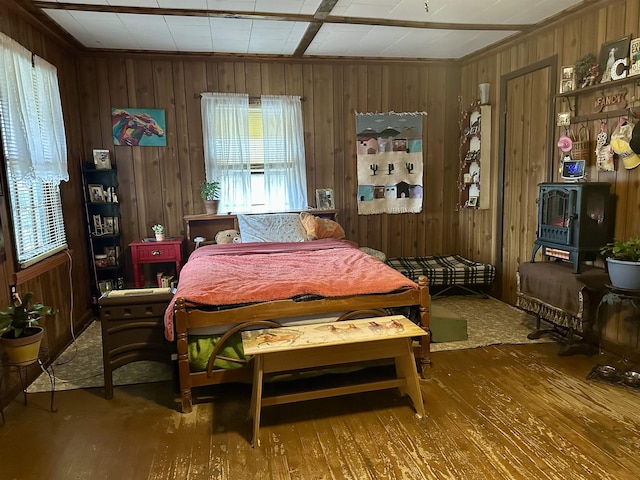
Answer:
x=489 y=322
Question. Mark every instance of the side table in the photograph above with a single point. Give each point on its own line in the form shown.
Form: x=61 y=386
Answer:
x=619 y=322
x=43 y=358
x=152 y=251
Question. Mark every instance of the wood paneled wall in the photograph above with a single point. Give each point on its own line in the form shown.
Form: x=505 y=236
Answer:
x=62 y=282
x=161 y=184
x=569 y=39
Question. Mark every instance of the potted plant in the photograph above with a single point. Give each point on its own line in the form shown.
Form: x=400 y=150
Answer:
x=20 y=334
x=158 y=229
x=210 y=191
x=623 y=263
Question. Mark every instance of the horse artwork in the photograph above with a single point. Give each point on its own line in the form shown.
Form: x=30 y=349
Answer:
x=138 y=127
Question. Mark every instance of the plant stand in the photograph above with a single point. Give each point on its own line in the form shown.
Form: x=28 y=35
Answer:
x=43 y=357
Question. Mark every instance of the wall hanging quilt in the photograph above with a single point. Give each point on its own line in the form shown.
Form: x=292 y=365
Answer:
x=390 y=163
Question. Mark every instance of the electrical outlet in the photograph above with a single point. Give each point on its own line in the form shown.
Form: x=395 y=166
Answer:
x=13 y=291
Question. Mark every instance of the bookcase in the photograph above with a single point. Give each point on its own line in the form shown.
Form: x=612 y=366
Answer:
x=475 y=154
x=103 y=227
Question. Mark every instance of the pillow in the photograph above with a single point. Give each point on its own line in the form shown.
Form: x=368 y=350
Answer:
x=271 y=227
x=319 y=227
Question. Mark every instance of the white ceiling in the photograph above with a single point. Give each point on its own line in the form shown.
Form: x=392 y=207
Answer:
x=351 y=28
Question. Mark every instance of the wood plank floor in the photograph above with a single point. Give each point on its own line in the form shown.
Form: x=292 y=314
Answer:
x=501 y=412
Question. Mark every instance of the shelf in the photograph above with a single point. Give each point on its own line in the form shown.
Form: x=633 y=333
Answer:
x=475 y=161
x=600 y=86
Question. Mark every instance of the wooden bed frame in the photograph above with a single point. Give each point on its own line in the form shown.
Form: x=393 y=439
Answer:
x=187 y=316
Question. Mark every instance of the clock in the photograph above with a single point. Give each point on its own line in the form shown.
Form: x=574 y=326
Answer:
x=572 y=169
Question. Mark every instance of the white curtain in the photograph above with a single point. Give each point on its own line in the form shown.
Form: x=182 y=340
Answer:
x=225 y=123
x=284 y=161
x=31 y=116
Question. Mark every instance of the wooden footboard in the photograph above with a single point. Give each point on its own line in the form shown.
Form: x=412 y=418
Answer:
x=187 y=317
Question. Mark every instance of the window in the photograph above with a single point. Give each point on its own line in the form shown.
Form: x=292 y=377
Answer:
x=256 y=152
x=34 y=149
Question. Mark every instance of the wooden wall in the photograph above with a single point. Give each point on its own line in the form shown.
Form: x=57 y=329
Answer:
x=62 y=281
x=576 y=35
x=160 y=184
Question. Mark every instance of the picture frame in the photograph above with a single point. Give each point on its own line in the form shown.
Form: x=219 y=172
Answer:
x=564 y=119
x=96 y=192
x=107 y=225
x=472 y=202
x=97 y=225
x=324 y=199
x=102 y=159
x=110 y=252
x=567 y=79
x=609 y=53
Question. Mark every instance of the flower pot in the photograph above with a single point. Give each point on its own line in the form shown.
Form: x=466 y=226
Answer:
x=23 y=350
x=624 y=274
x=159 y=237
x=211 y=206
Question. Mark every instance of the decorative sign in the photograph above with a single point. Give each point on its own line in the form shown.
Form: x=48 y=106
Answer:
x=618 y=99
x=614 y=70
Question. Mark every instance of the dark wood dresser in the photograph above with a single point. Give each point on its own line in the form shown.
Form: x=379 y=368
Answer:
x=133 y=329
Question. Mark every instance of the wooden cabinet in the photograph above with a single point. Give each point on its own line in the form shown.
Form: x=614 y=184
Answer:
x=165 y=251
x=475 y=157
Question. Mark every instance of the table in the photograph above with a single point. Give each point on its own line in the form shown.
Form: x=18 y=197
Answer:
x=303 y=347
x=619 y=322
x=153 y=251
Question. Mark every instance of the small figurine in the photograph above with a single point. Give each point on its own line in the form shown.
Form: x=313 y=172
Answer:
x=592 y=78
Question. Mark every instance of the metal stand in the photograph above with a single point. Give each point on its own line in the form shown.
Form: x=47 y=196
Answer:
x=43 y=356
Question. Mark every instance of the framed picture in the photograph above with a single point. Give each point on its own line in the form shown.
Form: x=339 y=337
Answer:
x=97 y=225
x=102 y=159
x=564 y=119
x=107 y=225
x=96 y=192
x=609 y=53
x=110 y=252
x=473 y=201
x=324 y=199
x=135 y=127
x=567 y=80
x=105 y=286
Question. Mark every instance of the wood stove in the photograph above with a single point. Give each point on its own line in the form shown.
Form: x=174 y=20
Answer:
x=574 y=221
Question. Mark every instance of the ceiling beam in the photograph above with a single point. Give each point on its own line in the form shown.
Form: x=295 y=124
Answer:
x=322 y=15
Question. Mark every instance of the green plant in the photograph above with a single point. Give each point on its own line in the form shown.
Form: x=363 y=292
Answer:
x=158 y=228
x=628 y=250
x=22 y=314
x=210 y=190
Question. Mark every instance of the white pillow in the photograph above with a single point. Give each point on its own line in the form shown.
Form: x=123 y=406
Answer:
x=272 y=227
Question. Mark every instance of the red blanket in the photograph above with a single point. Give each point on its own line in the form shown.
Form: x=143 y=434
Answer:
x=261 y=272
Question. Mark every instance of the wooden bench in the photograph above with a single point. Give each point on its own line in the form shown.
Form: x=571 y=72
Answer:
x=306 y=347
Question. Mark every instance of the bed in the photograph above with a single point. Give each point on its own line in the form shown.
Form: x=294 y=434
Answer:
x=226 y=288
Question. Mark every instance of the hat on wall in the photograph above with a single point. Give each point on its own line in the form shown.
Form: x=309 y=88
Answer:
x=565 y=143
x=620 y=143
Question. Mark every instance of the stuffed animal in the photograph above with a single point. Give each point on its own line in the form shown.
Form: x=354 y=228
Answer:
x=228 y=236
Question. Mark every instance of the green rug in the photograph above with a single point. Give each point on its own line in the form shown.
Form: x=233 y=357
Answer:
x=489 y=322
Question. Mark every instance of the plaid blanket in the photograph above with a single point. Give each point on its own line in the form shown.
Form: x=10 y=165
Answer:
x=445 y=270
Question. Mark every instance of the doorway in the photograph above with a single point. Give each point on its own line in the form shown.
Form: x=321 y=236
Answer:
x=525 y=160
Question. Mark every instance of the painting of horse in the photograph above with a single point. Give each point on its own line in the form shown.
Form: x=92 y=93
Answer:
x=138 y=127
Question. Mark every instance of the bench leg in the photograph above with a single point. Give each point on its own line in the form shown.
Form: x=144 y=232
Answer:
x=406 y=368
x=256 y=398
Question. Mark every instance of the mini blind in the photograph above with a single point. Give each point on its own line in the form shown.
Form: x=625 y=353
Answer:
x=34 y=149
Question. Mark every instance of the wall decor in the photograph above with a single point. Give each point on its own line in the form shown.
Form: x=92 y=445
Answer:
x=567 y=81
x=324 y=199
x=138 y=127
x=609 y=53
x=102 y=160
x=634 y=57
x=389 y=162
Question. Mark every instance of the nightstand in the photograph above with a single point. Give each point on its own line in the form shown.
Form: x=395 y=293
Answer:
x=152 y=251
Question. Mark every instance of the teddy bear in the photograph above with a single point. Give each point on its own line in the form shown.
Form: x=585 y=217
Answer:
x=228 y=236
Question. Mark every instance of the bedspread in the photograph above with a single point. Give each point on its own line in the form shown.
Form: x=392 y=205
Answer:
x=235 y=274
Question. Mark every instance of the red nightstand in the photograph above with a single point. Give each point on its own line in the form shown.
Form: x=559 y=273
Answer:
x=155 y=252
